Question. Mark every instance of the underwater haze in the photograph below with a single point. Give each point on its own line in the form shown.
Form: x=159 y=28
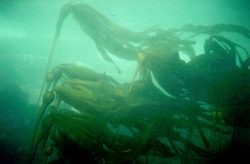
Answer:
x=27 y=30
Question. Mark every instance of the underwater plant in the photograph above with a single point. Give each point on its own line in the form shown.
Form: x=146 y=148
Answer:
x=102 y=109
x=91 y=113
x=108 y=36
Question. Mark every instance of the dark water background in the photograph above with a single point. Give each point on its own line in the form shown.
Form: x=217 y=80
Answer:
x=26 y=30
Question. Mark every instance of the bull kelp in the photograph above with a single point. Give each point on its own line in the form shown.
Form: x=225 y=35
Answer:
x=193 y=111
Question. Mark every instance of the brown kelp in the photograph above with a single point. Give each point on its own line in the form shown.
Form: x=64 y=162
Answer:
x=108 y=36
x=95 y=117
x=161 y=60
x=47 y=99
x=102 y=112
x=111 y=38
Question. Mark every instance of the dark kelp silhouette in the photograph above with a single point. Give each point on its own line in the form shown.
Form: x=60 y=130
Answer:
x=108 y=36
x=184 y=117
x=123 y=43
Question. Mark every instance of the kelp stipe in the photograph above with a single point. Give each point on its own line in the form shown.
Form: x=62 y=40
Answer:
x=63 y=14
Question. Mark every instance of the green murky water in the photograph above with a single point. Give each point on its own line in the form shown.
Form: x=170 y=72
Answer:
x=188 y=102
